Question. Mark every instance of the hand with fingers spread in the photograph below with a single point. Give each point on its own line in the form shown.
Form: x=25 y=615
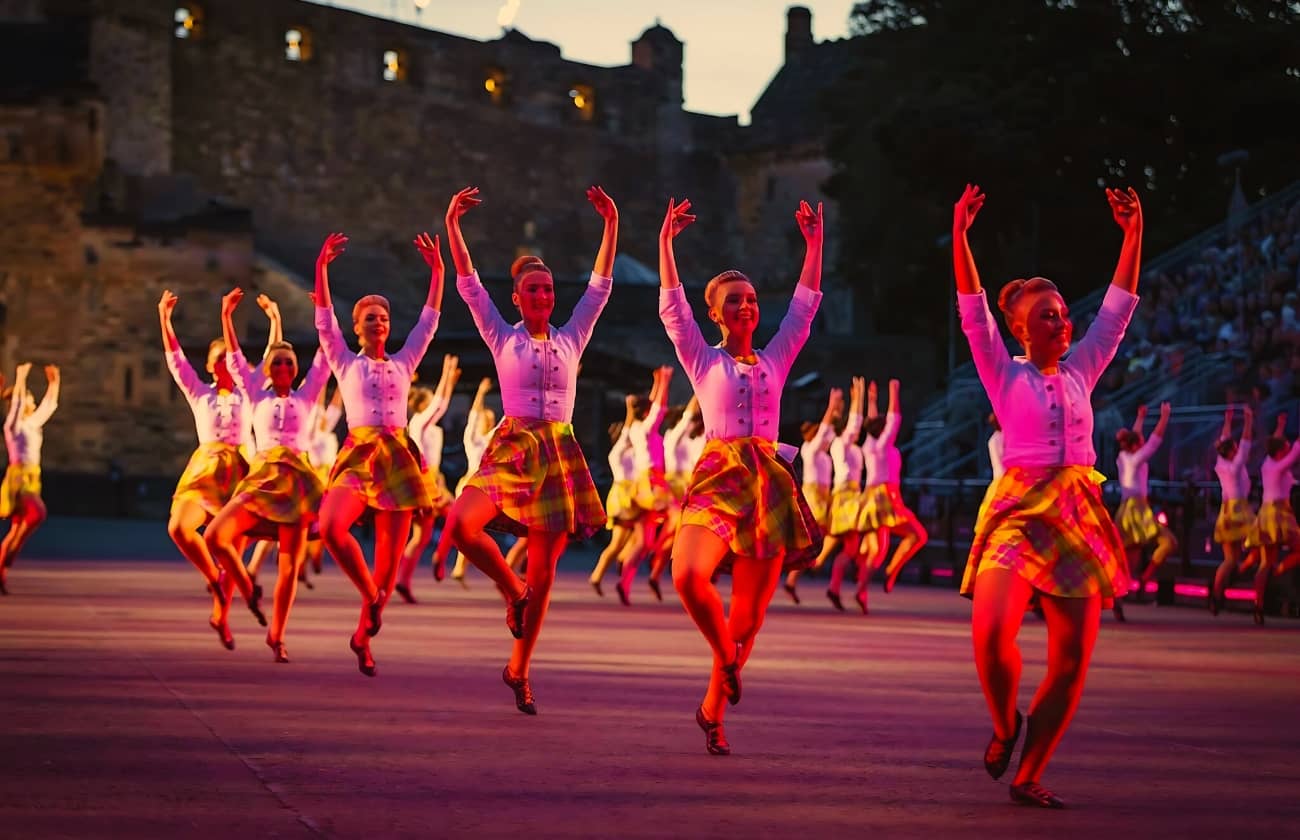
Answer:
x=810 y=223
x=1126 y=209
x=460 y=204
x=166 y=303
x=230 y=300
x=334 y=245
x=604 y=266
x=677 y=219
x=269 y=306
x=966 y=209
x=603 y=203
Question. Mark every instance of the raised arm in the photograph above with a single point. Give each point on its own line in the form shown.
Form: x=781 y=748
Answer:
x=276 y=331
x=1152 y=445
x=893 y=417
x=250 y=379
x=1163 y=422
x=333 y=412
x=1127 y=210
x=1288 y=460
x=229 y=303
x=677 y=219
x=674 y=310
x=1247 y=424
x=16 y=398
x=797 y=324
x=421 y=335
x=491 y=326
x=335 y=244
x=431 y=250
x=1141 y=419
x=857 y=393
x=460 y=204
x=180 y=368
x=963 y=261
x=166 y=304
x=659 y=397
x=1226 y=431
x=605 y=206
x=873 y=400
x=446 y=385
x=583 y=320
x=813 y=228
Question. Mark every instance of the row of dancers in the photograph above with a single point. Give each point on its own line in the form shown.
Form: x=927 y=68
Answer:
x=1042 y=533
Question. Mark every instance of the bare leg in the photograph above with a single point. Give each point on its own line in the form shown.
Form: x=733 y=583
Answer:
x=635 y=553
x=1000 y=600
x=1267 y=562
x=618 y=538
x=421 y=534
x=1166 y=544
x=293 y=547
x=544 y=550
x=696 y=556
x=752 y=584
x=1223 y=576
x=467 y=519
x=338 y=512
x=30 y=515
x=1071 y=633
x=517 y=555
x=183 y=527
x=914 y=539
x=260 y=552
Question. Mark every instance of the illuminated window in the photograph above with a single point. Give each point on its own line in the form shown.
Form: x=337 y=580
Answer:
x=584 y=100
x=495 y=83
x=189 y=21
x=394 y=65
x=297 y=44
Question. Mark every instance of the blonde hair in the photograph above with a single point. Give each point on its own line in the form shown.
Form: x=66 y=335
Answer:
x=527 y=264
x=216 y=344
x=420 y=397
x=370 y=300
x=711 y=290
x=1013 y=291
x=275 y=347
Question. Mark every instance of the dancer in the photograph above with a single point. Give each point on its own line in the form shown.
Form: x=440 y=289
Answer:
x=533 y=480
x=1045 y=528
x=883 y=511
x=682 y=445
x=744 y=513
x=378 y=468
x=652 y=495
x=20 y=495
x=224 y=429
x=479 y=425
x=1275 y=528
x=846 y=500
x=424 y=428
x=281 y=493
x=324 y=449
x=620 y=510
x=1236 y=517
x=817 y=471
x=1137 y=521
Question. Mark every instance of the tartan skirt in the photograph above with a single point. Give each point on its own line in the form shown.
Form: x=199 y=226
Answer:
x=1048 y=525
x=1275 y=525
x=1137 y=522
x=1235 y=522
x=819 y=502
x=382 y=466
x=436 y=484
x=210 y=478
x=882 y=507
x=619 y=509
x=652 y=493
x=281 y=487
x=19 y=481
x=678 y=482
x=846 y=505
x=748 y=496
x=535 y=474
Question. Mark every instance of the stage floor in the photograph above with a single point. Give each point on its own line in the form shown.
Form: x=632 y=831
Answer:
x=123 y=716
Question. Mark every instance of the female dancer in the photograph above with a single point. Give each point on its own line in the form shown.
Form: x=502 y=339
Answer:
x=652 y=496
x=324 y=449
x=281 y=493
x=883 y=510
x=1236 y=516
x=620 y=510
x=1137 y=521
x=20 y=495
x=378 y=468
x=817 y=471
x=744 y=512
x=1045 y=528
x=424 y=428
x=682 y=445
x=533 y=479
x=479 y=425
x=224 y=426
x=1275 y=528
x=846 y=502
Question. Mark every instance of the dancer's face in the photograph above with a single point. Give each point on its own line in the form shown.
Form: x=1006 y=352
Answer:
x=735 y=307
x=535 y=297
x=372 y=326
x=282 y=368
x=29 y=405
x=217 y=366
x=1043 y=325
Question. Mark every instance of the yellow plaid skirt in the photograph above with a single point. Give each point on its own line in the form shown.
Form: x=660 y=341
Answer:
x=746 y=495
x=1275 y=525
x=882 y=507
x=19 y=481
x=819 y=502
x=436 y=484
x=534 y=472
x=619 y=509
x=1235 y=522
x=679 y=482
x=210 y=478
x=651 y=493
x=382 y=466
x=1137 y=522
x=1048 y=525
x=281 y=487
x=846 y=505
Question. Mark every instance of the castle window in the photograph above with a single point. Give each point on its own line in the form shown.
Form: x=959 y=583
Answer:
x=297 y=44
x=495 y=83
x=189 y=21
x=583 y=98
x=394 y=65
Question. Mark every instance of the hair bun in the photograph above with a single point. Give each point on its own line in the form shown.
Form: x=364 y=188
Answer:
x=1007 y=296
x=526 y=263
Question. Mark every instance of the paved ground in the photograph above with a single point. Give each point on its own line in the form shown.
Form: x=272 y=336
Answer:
x=123 y=717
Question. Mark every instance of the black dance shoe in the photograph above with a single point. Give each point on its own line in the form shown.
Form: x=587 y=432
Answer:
x=731 y=678
x=861 y=598
x=375 y=615
x=523 y=690
x=277 y=648
x=1118 y=610
x=223 y=633
x=255 y=604
x=792 y=592
x=624 y=596
x=365 y=662
x=715 y=740
x=1032 y=793
x=1258 y=613
x=834 y=598
x=595 y=585
x=654 y=587
x=515 y=613
x=405 y=592
x=997 y=756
